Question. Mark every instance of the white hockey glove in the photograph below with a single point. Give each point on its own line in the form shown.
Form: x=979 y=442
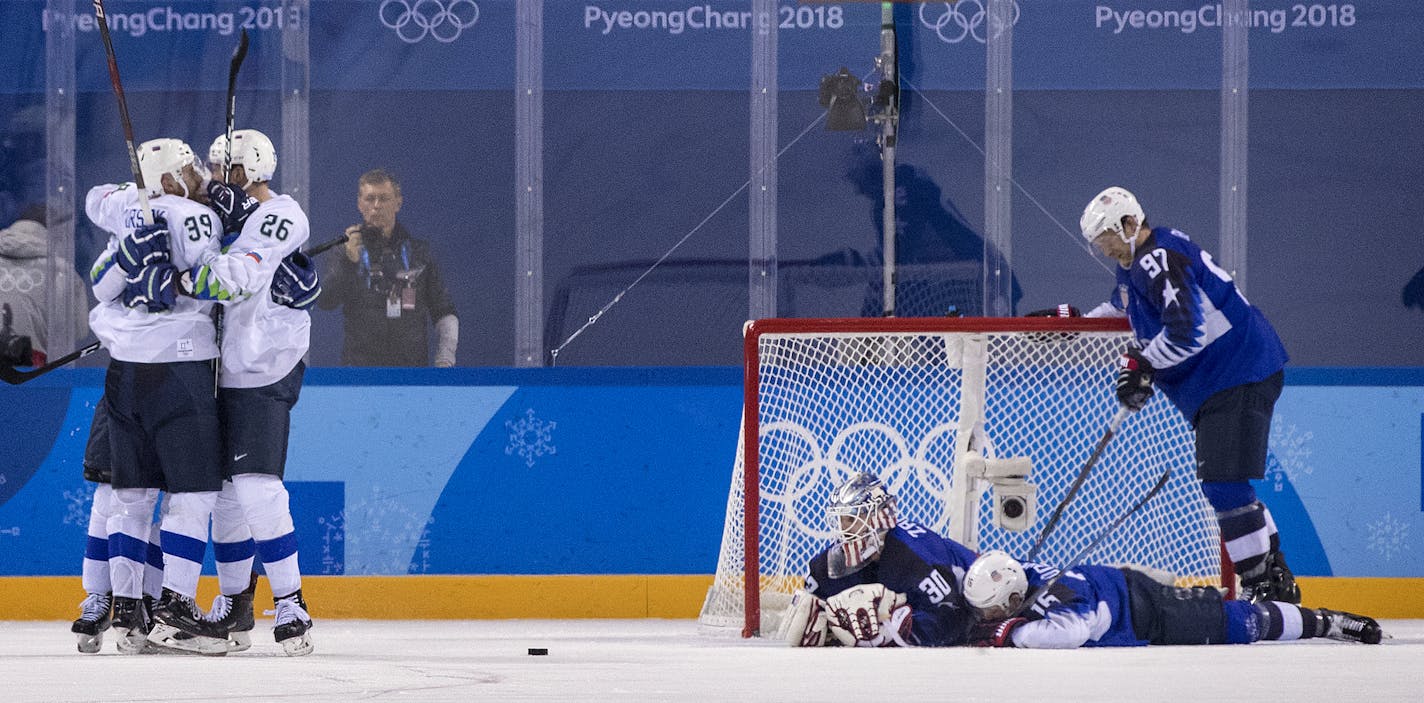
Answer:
x=869 y=615
x=804 y=624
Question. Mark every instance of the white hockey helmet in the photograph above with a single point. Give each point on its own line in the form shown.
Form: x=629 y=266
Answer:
x=993 y=579
x=160 y=157
x=861 y=511
x=1106 y=210
x=217 y=152
x=254 y=152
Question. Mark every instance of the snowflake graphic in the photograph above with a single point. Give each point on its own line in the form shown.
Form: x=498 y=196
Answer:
x=1388 y=537
x=76 y=505
x=333 y=532
x=1289 y=457
x=530 y=437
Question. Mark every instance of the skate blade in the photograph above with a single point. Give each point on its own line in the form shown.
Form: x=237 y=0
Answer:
x=239 y=641
x=171 y=637
x=91 y=644
x=130 y=642
x=298 y=646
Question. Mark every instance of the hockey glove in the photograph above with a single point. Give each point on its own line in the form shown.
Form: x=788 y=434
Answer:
x=804 y=624
x=1134 y=380
x=869 y=615
x=296 y=284
x=232 y=204
x=146 y=245
x=152 y=288
x=1063 y=310
x=995 y=633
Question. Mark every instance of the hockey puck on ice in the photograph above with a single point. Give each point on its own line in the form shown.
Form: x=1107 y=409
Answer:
x=538 y=651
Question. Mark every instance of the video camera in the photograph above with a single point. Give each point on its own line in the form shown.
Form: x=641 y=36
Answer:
x=15 y=349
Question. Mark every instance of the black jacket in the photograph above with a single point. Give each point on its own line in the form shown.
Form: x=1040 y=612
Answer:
x=363 y=289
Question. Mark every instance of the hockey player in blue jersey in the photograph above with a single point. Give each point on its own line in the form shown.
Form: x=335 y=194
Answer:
x=887 y=582
x=1104 y=606
x=1215 y=357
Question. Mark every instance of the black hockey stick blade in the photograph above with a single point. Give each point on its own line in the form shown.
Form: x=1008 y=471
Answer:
x=15 y=377
x=338 y=241
x=1108 y=433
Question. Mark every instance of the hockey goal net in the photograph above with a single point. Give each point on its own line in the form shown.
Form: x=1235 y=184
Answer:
x=927 y=404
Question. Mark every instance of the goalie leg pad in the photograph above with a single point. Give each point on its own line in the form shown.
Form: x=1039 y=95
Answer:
x=805 y=622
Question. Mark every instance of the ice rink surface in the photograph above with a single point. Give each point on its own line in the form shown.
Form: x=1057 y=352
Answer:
x=675 y=660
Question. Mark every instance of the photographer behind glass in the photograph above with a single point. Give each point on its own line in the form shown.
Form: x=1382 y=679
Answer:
x=388 y=285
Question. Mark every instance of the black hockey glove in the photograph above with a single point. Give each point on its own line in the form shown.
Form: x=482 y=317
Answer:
x=296 y=284
x=146 y=245
x=1134 y=380
x=994 y=633
x=1063 y=310
x=152 y=288
x=232 y=204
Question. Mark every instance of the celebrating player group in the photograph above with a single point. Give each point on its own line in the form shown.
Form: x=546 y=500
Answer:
x=190 y=413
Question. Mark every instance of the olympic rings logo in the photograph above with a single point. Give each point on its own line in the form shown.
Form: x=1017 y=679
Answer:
x=19 y=280
x=412 y=21
x=956 y=22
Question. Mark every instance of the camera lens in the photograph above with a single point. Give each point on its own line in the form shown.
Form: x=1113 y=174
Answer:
x=1013 y=507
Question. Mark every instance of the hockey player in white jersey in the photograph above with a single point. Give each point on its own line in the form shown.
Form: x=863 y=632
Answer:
x=163 y=430
x=1104 y=606
x=266 y=283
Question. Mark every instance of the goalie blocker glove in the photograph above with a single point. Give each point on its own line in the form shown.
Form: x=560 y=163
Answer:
x=296 y=284
x=152 y=288
x=995 y=633
x=805 y=622
x=232 y=204
x=1134 y=380
x=146 y=245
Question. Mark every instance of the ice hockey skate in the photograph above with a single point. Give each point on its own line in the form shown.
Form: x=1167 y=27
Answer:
x=1278 y=583
x=234 y=614
x=1348 y=627
x=131 y=625
x=93 y=621
x=178 y=624
x=293 y=622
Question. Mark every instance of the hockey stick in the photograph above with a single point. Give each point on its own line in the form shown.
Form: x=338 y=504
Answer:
x=145 y=211
x=1107 y=532
x=238 y=55
x=1113 y=426
x=15 y=377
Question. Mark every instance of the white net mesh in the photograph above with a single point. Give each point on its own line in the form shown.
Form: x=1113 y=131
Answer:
x=890 y=397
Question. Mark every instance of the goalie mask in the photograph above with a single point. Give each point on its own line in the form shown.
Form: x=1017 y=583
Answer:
x=1105 y=212
x=861 y=511
x=167 y=157
x=993 y=580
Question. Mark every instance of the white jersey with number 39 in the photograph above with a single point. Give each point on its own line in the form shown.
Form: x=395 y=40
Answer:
x=262 y=341
x=184 y=333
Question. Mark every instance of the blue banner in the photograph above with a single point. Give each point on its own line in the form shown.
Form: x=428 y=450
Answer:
x=688 y=45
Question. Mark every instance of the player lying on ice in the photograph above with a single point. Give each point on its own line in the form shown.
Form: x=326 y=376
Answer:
x=890 y=582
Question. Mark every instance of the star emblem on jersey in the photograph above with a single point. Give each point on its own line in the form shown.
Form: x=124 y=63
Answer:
x=530 y=437
x=1169 y=295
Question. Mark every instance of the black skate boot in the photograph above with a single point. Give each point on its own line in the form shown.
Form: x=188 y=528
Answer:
x=178 y=624
x=1348 y=627
x=1275 y=583
x=234 y=614
x=292 y=624
x=131 y=625
x=94 y=619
